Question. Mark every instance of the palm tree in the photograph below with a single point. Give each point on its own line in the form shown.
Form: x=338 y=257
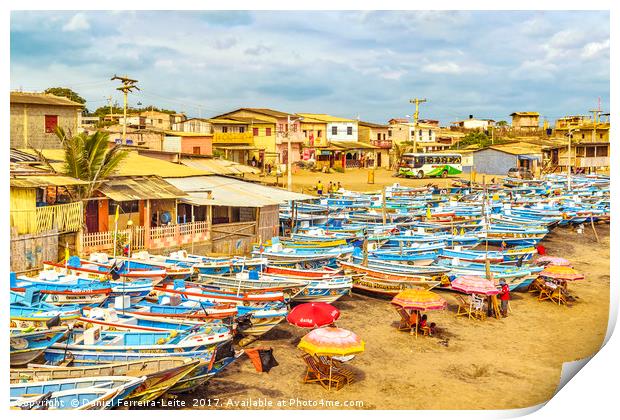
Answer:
x=87 y=157
x=399 y=150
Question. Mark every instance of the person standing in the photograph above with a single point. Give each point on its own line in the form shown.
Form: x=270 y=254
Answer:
x=504 y=295
x=319 y=188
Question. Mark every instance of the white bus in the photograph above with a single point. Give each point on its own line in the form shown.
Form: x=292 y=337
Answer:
x=420 y=165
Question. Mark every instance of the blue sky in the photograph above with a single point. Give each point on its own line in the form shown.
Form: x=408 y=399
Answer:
x=365 y=64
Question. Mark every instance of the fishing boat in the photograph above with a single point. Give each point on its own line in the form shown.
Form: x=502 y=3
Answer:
x=379 y=281
x=160 y=374
x=27 y=311
x=251 y=282
x=27 y=346
x=21 y=394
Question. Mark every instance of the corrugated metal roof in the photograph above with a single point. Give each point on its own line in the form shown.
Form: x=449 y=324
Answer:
x=233 y=192
x=42 y=99
x=20 y=156
x=135 y=165
x=34 y=181
x=139 y=188
x=325 y=117
x=372 y=125
x=220 y=166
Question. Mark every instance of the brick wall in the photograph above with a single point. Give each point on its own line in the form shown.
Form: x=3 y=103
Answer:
x=37 y=137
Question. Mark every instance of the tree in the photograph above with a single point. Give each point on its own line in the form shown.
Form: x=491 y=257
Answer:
x=88 y=157
x=477 y=138
x=67 y=93
x=502 y=123
x=399 y=150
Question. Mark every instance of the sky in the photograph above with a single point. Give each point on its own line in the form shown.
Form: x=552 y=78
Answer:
x=355 y=64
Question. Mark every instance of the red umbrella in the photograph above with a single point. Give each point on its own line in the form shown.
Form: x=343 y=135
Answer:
x=311 y=315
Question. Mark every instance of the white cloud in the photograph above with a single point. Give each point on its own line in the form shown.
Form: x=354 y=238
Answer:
x=450 y=67
x=77 y=23
x=393 y=74
x=593 y=49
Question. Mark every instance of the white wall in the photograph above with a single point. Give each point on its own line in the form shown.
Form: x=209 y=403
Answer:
x=473 y=124
x=172 y=144
x=342 y=131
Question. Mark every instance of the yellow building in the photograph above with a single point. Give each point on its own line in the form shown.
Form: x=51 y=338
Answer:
x=271 y=134
x=525 y=121
x=314 y=131
x=376 y=135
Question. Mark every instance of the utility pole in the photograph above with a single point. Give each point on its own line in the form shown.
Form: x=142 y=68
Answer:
x=109 y=98
x=128 y=85
x=289 y=166
x=416 y=116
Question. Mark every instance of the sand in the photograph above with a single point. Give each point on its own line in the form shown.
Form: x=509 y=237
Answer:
x=513 y=362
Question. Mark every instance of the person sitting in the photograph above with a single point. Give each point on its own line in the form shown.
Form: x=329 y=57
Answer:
x=423 y=326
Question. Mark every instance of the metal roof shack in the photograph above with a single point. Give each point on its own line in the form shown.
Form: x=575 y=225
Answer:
x=139 y=188
x=35 y=181
x=223 y=191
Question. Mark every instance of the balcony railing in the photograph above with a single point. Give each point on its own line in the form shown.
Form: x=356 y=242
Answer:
x=295 y=137
x=244 y=138
x=383 y=144
x=64 y=217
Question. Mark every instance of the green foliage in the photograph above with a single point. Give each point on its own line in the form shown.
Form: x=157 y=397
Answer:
x=477 y=138
x=116 y=109
x=399 y=149
x=67 y=93
x=88 y=157
x=502 y=123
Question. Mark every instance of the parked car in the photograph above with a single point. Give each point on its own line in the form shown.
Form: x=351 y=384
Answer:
x=521 y=173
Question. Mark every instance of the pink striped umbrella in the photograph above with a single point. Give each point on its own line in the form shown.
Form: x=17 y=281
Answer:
x=549 y=260
x=474 y=284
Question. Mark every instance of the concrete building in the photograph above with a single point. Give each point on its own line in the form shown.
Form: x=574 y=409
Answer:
x=528 y=121
x=376 y=135
x=35 y=116
x=473 y=123
x=498 y=159
x=269 y=132
x=188 y=143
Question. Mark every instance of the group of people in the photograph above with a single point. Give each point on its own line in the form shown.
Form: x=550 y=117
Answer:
x=331 y=188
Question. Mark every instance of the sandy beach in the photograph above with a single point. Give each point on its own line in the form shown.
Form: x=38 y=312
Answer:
x=513 y=362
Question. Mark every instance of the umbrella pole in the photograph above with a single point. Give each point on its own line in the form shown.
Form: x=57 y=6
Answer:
x=331 y=363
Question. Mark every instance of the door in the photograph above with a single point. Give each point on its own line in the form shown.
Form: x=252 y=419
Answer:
x=379 y=159
x=92 y=216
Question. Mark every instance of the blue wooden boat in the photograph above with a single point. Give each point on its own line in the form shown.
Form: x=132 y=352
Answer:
x=27 y=346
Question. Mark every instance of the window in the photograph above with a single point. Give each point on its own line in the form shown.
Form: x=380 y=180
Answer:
x=125 y=206
x=349 y=131
x=430 y=134
x=590 y=151
x=389 y=133
x=51 y=122
x=378 y=136
x=268 y=131
x=224 y=129
x=319 y=133
x=600 y=136
x=334 y=130
x=601 y=151
x=306 y=133
x=255 y=131
x=196 y=150
x=583 y=136
x=579 y=151
x=242 y=129
x=420 y=133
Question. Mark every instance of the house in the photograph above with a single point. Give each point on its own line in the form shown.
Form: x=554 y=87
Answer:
x=337 y=128
x=35 y=116
x=498 y=159
x=399 y=130
x=194 y=125
x=315 y=136
x=528 y=121
x=473 y=124
x=589 y=140
x=424 y=135
x=376 y=135
x=157 y=119
x=44 y=213
x=271 y=133
x=188 y=143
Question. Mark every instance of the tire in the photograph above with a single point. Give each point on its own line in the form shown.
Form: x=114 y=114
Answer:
x=420 y=175
x=444 y=174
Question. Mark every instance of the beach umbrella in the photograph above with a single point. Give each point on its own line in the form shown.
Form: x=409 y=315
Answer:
x=549 y=260
x=474 y=285
x=331 y=341
x=558 y=272
x=419 y=300
x=312 y=315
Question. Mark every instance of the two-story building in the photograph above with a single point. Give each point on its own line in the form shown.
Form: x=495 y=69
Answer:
x=35 y=116
x=376 y=135
x=271 y=131
x=526 y=121
x=589 y=140
x=473 y=124
x=157 y=119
